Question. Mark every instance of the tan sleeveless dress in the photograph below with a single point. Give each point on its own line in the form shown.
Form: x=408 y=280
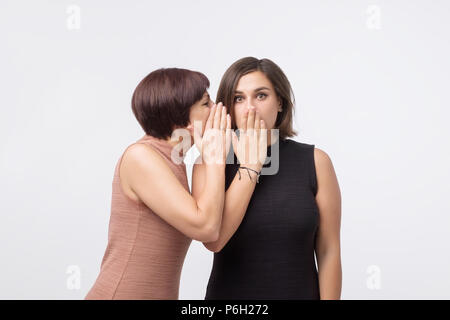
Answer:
x=144 y=254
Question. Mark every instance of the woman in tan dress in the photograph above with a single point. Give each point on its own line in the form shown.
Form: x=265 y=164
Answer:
x=153 y=215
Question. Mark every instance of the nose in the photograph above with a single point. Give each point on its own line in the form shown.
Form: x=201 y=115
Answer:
x=251 y=107
x=250 y=104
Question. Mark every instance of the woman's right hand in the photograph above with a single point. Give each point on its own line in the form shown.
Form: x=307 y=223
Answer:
x=216 y=140
x=251 y=146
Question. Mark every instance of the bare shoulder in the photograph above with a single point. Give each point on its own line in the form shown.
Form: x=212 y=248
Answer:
x=140 y=159
x=326 y=175
x=142 y=155
x=321 y=157
x=141 y=166
x=138 y=152
x=323 y=163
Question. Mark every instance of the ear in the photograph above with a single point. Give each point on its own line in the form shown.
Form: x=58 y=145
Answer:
x=280 y=105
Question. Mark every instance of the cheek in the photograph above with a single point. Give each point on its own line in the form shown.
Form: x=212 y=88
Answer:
x=199 y=116
x=204 y=118
x=269 y=114
x=238 y=113
x=205 y=115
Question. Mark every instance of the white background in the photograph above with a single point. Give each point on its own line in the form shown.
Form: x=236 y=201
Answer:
x=371 y=81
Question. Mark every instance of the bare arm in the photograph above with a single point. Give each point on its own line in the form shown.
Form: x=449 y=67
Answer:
x=152 y=180
x=238 y=195
x=328 y=254
x=237 y=198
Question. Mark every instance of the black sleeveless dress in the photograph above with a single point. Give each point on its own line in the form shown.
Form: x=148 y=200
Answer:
x=271 y=254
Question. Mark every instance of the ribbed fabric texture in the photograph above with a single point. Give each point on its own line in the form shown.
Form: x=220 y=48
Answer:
x=271 y=254
x=144 y=255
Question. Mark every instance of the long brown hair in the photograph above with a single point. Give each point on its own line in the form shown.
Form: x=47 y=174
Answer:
x=279 y=81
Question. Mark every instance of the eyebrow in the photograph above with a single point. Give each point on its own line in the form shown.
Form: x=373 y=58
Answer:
x=256 y=90
x=207 y=96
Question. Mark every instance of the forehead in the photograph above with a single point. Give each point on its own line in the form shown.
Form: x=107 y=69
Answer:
x=253 y=80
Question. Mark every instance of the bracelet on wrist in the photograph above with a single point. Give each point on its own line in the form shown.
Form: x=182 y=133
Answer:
x=248 y=172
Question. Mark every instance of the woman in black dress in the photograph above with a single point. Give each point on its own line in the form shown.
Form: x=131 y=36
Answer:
x=281 y=211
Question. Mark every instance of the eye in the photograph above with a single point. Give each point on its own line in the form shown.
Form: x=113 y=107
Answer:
x=236 y=98
x=263 y=95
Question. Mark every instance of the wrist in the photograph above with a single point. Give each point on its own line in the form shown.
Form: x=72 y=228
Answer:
x=252 y=173
x=215 y=167
x=255 y=166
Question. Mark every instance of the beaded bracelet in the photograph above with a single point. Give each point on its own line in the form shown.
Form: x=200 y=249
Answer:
x=257 y=173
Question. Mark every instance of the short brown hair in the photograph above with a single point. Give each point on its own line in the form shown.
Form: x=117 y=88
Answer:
x=279 y=81
x=162 y=100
